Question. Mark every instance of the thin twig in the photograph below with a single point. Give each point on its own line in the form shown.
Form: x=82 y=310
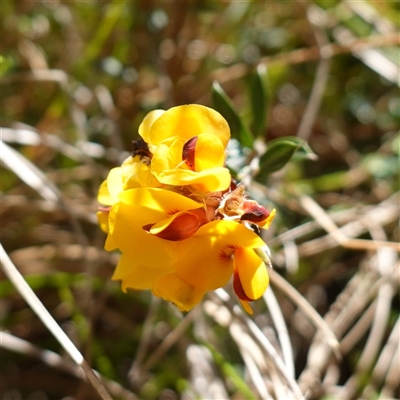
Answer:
x=320 y=215
x=319 y=84
x=144 y=343
x=37 y=306
x=281 y=329
x=385 y=258
x=305 y=307
x=252 y=357
x=358 y=330
x=35 y=75
x=267 y=348
x=383 y=363
x=377 y=331
x=266 y=345
x=306 y=55
x=170 y=340
x=54 y=360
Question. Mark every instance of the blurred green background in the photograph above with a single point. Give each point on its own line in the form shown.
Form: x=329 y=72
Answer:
x=77 y=78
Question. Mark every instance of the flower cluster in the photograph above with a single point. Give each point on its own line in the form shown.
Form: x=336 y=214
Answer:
x=183 y=227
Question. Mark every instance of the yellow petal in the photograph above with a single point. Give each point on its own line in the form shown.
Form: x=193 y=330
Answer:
x=110 y=244
x=134 y=275
x=169 y=168
x=102 y=218
x=158 y=200
x=270 y=218
x=145 y=126
x=209 y=152
x=103 y=196
x=126 y=231
x=209 y=180
x=230 y=234
x=246 y=306
x=179 y=226
x=252 y=272
x=205 y=259
x=115 y=182
x=173 y=288
x=168 y=156
x=188 y=121
x=130 y=171
x=140 y=207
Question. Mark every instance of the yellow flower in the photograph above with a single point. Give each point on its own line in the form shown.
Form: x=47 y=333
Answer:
x=208 y=259
x=138 y=225
x=169 y=246
x=172 y=211
x=183 y=121
x=189 y=145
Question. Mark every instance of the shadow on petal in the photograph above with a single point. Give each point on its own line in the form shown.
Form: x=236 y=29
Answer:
x=173 y=288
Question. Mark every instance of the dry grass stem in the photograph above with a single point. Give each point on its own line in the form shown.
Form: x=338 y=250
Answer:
x=37 y=306
x=145 y=340
x=309 y=54
x=326 y=222
x=170 y=340
x=252 y=357
x=54 y=360
x=281 y=330
x=327 y=334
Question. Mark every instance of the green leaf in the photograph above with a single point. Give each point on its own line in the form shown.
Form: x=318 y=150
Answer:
x=260 y=98
x=223 y=104
x=278 y=154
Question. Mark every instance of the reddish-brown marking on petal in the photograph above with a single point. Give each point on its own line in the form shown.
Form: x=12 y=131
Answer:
x=238 y=288
x=147 y=227
x=232 y=247
x=225 y=257
x=188 y=152
x=254 y=212
x=227 y=252
x=172 y=212
x=182 y=227
x=104 y=209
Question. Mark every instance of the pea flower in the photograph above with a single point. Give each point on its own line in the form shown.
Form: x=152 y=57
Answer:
x=182 y=227
x=146 y=225
x=207 y=261
x=188 y=143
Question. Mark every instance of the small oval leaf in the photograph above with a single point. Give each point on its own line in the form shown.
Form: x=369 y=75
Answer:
x=278 y=154
x=223 y=105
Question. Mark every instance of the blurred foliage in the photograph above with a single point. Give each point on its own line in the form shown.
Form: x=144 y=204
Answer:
x=84 y=74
